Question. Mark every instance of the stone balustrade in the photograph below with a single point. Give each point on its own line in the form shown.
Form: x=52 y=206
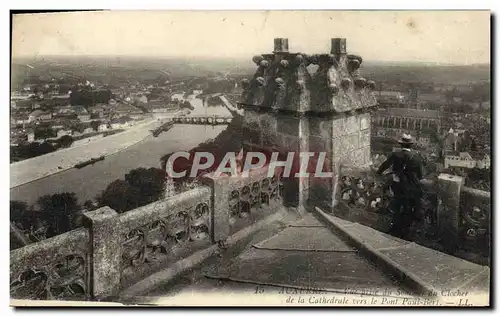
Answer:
x=55 y=268
x=242 y=200
x=203 y=120
x=114 y=251
x=157 y=234
x=286 y=110
x=475 y=214
x=457 y=215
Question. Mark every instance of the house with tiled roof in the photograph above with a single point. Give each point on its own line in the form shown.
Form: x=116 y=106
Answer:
x=125 y=109
x=39 y=115
x=121 y=122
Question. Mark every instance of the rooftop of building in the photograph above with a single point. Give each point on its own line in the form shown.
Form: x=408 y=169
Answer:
x=126 y=108
x=406 y=112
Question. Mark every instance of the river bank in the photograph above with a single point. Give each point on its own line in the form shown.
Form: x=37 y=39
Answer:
x=33 y=169
x=130 y=151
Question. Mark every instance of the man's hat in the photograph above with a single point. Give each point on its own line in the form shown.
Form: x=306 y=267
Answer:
x=406 y=139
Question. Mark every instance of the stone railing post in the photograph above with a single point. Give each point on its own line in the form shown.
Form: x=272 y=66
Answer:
x=105 y=254
x=219 y=206
x=448 y=209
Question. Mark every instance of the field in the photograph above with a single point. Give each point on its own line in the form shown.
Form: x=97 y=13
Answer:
x=122 y=70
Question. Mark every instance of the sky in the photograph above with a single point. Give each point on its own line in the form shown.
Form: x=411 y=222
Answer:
x=448 y=37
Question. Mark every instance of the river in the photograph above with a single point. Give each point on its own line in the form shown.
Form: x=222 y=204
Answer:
x=93 y=179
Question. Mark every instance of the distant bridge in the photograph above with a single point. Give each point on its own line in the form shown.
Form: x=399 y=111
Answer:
x=203 y=120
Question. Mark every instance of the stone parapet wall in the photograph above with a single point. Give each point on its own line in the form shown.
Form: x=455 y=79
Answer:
x=240 y=201
x=55 y=268
x=114 y=251
x=459 y=217
x=475 y=214
x=163 y=232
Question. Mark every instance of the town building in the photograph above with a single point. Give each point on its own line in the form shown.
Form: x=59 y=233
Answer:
x=121 y=122
x=64 y=132
x=465 y=160
x=39 y=115
x=390 y=99
x=393 y=122
x=102 y=127
x=30 y=136
x=124 y=109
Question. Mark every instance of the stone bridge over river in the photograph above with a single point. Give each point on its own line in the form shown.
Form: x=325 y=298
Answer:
x=276 y=235
x=204 y=120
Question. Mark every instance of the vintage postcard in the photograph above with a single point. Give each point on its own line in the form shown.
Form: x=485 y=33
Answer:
x=250 y=158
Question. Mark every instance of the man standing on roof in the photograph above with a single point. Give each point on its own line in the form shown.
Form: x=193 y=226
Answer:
x=407 y=171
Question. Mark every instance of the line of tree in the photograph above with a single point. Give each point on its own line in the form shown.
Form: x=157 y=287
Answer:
x=88 y=97
x=50 y=216
x=34 y=149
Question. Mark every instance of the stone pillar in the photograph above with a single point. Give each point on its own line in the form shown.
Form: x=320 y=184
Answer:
x=106 y=252
x=281 y=45
x=448 y=212
x=339 y=46
x=220 y=187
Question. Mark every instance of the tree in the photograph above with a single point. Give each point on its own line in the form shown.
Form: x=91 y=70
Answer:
x=120 y=196
x=44 y=132
x=148 y=182
x=57 y=210
x=90 y=205
x=95 y=125
x=65 y=141
x=78 y=127
x=22 y=215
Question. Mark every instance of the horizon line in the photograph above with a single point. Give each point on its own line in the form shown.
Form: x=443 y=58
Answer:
x=225 y=58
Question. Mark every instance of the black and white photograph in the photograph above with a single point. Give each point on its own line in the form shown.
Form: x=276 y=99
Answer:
x=251 y=158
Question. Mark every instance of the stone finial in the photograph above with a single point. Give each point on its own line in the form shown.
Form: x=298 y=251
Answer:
x=355 y=57
x=280 y=83
x=299 y=59
x=370 y=84
x=300 y=85
x=346 y=83
x=360 y=82
x=264 y=63
x=339 y=46
x=245 y=83
x=334 y=88
x=284 y=63
x=353 y=65
x=281 y=45
x=257 y=59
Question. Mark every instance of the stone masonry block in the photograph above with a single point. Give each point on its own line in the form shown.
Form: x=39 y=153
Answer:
x=364 y=138
x=288 y=143
x=320 y=144
x=268 y=123
x=351 y=124
x=357 y=157
x=251 y=117
x=288 y=125
x=345 y=125
x=320 y=127
x=353 y=141
x=367 y=155
x=364 y=121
